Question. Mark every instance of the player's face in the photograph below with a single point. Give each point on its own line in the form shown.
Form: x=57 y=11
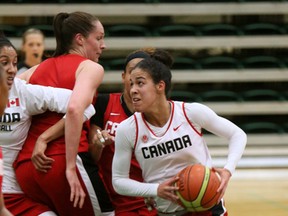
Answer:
x=33 y=46
x=94 y=44
x=3 y=91
x=143 y=91
x=8 y=61
x=126 y=76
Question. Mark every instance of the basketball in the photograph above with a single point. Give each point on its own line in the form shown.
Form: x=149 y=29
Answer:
x=198 y=186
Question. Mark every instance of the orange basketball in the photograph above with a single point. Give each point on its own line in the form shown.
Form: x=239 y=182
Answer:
x=198 y=186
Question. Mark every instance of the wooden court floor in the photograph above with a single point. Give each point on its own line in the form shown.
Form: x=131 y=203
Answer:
x=256 y=194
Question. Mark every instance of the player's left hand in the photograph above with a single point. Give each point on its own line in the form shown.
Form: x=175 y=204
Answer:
x=225 y=176
x=77 y=195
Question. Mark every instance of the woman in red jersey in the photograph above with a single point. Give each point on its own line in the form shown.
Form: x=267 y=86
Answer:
x=111 y=110
x=69 y=186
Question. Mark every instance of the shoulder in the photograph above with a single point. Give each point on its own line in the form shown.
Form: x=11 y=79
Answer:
x=126 y=132
x=28 y=73
x=19 y=82
x=21 y=70
x=91 y=70
x=91 y=65
x=198 y=111
x=189 y=107
x=127 y=125
x=196 y=107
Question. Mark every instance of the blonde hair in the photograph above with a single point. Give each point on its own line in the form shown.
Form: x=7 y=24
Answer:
x=31 y=31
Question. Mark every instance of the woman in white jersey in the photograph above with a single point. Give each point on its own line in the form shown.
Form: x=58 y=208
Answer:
x=175 y=128
x=24 y=100
x=3 y=100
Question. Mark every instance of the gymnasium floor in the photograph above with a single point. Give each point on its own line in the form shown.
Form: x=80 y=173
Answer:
x=258 y=193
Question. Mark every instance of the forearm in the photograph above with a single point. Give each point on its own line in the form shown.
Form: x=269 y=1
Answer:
x=121 y=168
x=95 y=146
x=130 y=187
x=3 y=210
x=53 y=132
x=204 y=117
x=96 y=151
x=237 y=146
x=73 y=127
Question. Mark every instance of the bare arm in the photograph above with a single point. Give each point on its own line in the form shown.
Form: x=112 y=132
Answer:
x=40 y=160
x=27 y=74
x=3 y=210
x=96 y=146
x=89 y=77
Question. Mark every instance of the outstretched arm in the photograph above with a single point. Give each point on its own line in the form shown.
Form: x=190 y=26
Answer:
x=40 y=160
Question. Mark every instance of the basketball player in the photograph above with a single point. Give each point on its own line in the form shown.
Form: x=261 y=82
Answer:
x=73 y=66
x=111 y=110
x=165 y=137
x=3 y=100
x=24 y=101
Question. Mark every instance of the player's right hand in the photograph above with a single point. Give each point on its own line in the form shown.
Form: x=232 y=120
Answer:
x=167 y=189
x=77 y=195
x=40 y=161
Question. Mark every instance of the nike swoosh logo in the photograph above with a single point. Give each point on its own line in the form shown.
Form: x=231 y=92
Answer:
x=176 y=128
x=114 y=114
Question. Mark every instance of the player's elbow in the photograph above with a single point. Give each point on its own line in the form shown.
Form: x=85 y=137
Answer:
x=242 y=135
x=115 y=183
x=75 y=109
x=118 y=185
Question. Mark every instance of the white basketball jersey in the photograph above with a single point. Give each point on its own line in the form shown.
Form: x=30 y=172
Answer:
x=163 y=156
x=24 y=101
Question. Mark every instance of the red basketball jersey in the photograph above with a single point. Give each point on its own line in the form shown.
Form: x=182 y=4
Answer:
x=66 y=66
x=113 y=115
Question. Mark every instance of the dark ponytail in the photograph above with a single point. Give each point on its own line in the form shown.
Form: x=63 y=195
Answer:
x=67 y=25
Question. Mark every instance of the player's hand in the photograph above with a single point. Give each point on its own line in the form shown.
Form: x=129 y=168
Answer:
x=102 y=137
x=40 y=161
x=167 y=189
x=77 y=195
x=150 y=203
x=225 y=176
